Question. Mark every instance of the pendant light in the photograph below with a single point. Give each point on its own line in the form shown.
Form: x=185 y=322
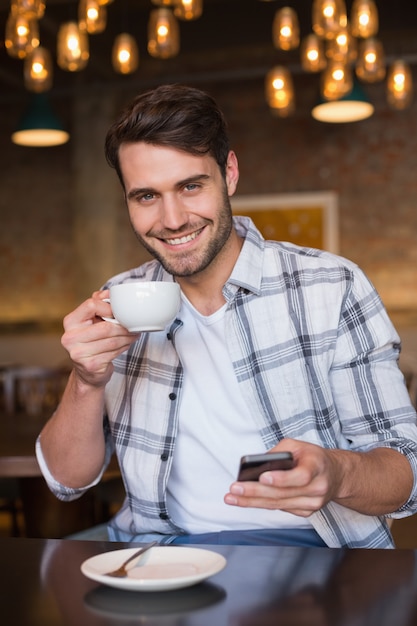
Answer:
x=125 y=54
x=328 y=17
x=279 y=91
x=312 y=56
x=370 y=66
x=163 y=34
x=336 y=80
x=92 y=16
x=188 y=9
x=354 y=106
x=31 y=9
x=364 y=20
x=73 y=50
x=39 y=126
x=343 y=47
x=399 y=85
x=37 y=70
x=22 y=35
x=285 y=29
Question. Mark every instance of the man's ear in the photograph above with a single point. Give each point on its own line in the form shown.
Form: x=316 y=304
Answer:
x=232 y=173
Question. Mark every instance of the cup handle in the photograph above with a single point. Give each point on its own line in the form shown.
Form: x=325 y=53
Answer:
x=109 y=319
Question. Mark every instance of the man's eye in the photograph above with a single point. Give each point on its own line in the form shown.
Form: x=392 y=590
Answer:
x=191 y=186
x=147 y=197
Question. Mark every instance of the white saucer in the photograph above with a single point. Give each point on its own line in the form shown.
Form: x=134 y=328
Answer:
x=160 y=569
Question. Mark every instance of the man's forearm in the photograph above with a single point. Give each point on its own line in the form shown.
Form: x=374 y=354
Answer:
x=72 y=441
x=375 y=482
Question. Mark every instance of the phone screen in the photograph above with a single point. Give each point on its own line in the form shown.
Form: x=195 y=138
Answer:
x=253 y=465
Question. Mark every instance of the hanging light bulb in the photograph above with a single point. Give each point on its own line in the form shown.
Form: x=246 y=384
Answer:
x=22 y=35
x=370 y=66
x=38 y=70
x=328 y=17
x=343 y=47
x=285 y=29
x=399 y=85
x=163 y=34
x=164 y=3
x=279 y=91
x=125 y=54
x=188 y=9
x=312 y=54
x=73 y=51
x=32 y=9
x=336 y=80
x=39 y=126
x=92 y=16
x=364 y=20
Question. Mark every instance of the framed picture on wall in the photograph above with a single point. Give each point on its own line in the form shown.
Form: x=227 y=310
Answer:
x=308 y=218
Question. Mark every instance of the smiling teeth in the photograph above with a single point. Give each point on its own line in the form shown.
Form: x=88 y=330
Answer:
x=178 y=240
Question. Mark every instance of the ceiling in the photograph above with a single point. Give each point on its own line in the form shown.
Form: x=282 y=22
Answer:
x=230 y=41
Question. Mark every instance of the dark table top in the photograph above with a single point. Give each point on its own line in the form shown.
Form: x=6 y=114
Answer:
x=41 y=584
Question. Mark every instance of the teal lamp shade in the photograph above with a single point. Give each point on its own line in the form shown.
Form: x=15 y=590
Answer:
x=39 y=126
x=352 y=107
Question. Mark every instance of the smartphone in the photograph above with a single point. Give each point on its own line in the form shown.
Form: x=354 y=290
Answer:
x=253 y=465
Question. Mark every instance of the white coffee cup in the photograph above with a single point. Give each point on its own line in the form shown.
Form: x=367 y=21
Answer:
x=144 y=306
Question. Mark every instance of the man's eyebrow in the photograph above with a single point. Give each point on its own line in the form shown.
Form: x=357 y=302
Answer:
x=192 y=179
x=140 y=191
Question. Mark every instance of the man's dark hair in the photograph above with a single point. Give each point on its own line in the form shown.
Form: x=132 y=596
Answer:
x=176 y=116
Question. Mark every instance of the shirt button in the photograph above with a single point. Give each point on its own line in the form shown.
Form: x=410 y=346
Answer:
x=172 y=396
x=169 y=336
x=163 y=515
x=164 y=456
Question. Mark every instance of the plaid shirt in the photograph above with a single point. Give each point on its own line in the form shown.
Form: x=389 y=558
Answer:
x=315 y=355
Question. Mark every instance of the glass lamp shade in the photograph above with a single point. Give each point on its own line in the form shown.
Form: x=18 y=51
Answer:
x=364 y=20
x=312 y=54
x=32 y=9
x=336 y=80
x=370 y=66
x=399 y=85
x=73 y=50
x=125 y=54
x=285 y=29
x=22 y=35
x=343 y=47
x=328 y=17
x=279 y=91
x=39 y=126
x=163 y=34
x=352 y=107
x=188 y=9
x=92 y=16
x=38 y=70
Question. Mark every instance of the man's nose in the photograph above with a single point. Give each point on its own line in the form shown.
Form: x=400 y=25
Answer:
x=173 y=214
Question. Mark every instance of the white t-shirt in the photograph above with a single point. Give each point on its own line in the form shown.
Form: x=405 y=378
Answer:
x=215 y=430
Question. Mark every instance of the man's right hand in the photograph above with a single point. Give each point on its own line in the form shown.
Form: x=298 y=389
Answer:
x=93 y=343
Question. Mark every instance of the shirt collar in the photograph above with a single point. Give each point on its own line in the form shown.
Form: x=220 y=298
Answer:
x=247 y=272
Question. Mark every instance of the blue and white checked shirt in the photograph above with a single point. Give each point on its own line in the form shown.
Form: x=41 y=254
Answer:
x=315 y=355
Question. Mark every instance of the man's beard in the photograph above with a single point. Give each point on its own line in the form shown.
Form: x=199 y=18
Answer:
x=188 y=264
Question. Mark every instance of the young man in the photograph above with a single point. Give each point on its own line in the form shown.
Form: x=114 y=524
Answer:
x=276 y=347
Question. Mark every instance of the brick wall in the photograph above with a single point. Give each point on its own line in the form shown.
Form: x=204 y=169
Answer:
x=370 y=164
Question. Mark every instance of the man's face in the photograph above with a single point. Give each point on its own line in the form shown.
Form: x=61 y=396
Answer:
x=178 y=204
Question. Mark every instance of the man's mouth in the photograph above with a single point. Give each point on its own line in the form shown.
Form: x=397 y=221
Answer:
x=185 y=239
